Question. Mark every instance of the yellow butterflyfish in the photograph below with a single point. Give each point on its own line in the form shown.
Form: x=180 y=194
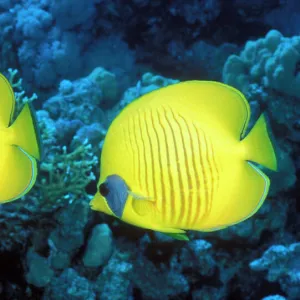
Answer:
x=179 y=159
x=19 y=146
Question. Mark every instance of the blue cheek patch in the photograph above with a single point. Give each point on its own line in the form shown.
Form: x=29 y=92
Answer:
x=117 y=194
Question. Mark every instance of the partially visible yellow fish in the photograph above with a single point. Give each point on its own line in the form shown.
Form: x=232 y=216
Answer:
x=19 y=147
x=178 y=159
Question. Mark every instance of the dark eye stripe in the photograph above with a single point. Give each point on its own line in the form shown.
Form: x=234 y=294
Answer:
x=103 y=189
x=115 y=191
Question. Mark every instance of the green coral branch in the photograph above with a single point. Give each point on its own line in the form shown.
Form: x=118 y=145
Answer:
x=20 y=95
x=66 y=175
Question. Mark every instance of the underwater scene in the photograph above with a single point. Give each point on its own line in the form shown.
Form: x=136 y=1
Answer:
x=149 y=150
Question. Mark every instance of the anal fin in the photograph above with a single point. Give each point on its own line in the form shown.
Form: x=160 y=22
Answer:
x=175 y=233
x=18 y=174
x=177 y=236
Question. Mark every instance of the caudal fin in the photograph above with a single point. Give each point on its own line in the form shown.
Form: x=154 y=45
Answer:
x=26 y=134
x=258 y=145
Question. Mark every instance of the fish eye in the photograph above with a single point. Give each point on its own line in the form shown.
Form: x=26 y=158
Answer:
x=103 y=189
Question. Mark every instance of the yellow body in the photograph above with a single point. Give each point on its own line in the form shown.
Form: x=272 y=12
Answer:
x=19 y=147
x=182 y=149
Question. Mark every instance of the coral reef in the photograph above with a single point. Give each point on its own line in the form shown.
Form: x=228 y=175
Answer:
x=281 y=264
x=80 y=63
x=267 y=71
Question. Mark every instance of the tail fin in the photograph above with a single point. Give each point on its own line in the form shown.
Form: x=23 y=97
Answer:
x=26 y=134
x=258 y=145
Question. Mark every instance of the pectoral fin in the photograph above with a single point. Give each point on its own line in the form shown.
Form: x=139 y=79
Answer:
x=142 y=207
x=136 y=196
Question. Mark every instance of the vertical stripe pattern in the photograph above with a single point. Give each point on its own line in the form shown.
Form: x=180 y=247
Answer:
x=175 y=163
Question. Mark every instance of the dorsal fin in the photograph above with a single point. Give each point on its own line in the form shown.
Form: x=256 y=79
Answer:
x=212 y=103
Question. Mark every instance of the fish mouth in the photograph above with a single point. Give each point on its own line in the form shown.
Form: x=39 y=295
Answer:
x=99 y=203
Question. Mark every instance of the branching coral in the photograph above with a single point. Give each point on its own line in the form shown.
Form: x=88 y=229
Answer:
x=64 y=175
x=19 y=92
